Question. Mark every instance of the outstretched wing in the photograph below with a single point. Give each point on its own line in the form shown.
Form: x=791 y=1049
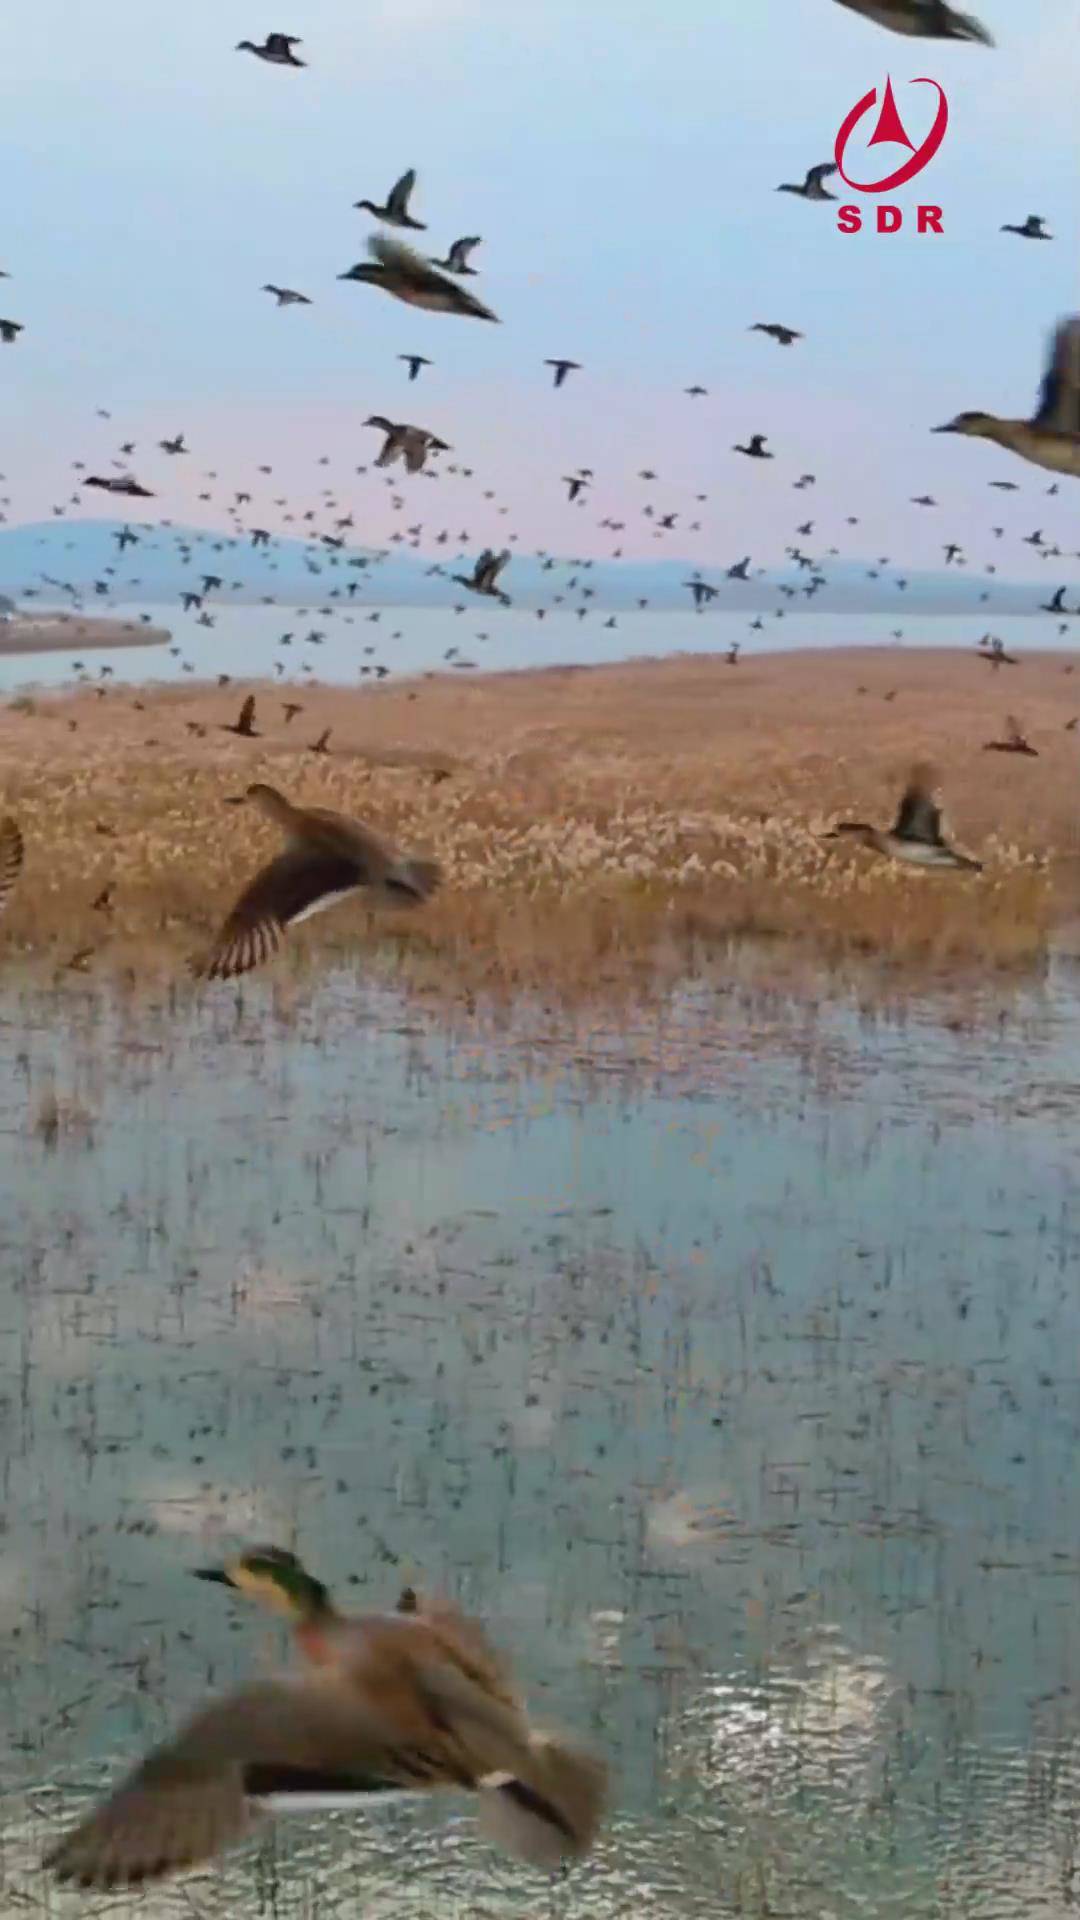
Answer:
x=397 y=200
x=461 y=250
x=815 y=175
x=247 y=712
x=191 y=1797
x=1059 y=401
x=918 y=816
x=298 y=883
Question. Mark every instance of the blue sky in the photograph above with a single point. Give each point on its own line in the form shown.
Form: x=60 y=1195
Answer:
x=621 y=164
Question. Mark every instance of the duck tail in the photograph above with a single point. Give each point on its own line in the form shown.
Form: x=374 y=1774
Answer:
x=415 y=880
x=552 y=1814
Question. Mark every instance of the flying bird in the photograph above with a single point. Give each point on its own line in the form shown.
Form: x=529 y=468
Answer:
x=327 y=857
x=457 y=258
x=485 y=575
x=1051 y=438
x=756 y=449
x=812 y=188
x=915 y=838
x=562 y=368
x=10 y=331
x=244 y=725
x=414 y=362
x=926 y=19
x=396 y=211
x=1013 y=741
x=277 y=49
x=408 y=1701
x=400 y=271
x=1034 y=228
x=784 y=336
x=287 y=296
x=119 y=483
x=409 y=444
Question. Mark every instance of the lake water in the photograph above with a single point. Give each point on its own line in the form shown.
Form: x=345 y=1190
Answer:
x=729 y=1363
x=408 y=640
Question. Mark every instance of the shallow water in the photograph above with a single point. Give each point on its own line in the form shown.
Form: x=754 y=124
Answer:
x=728 y=1363
x=411 y=640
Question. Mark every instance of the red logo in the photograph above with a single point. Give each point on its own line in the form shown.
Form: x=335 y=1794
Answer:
x=890 y=130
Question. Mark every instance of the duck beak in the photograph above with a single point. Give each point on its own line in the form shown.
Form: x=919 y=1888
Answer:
x=217 y=1574
x=949 y=427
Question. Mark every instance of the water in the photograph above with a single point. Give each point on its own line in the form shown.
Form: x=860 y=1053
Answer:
x=411 y=640
x=727 y=1362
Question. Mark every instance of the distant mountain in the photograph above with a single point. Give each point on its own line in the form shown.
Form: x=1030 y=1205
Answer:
x=75 y=562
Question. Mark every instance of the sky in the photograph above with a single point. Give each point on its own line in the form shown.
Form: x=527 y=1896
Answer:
x=620 y=162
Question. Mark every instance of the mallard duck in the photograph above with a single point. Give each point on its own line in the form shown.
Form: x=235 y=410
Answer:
x=1051 y=438
x=402 y=442
x=396 y=211
x=287 y=296
x=928 y=19
x=1034 y=228
x=277 y=49
x=915 y=837
x=411 y=1701
x=400 y=271
x=457 y=258
x=812 y=188
x=485 y=575
x=327 y=858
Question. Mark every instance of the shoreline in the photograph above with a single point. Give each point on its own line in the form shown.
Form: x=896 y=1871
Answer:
x=57 y=633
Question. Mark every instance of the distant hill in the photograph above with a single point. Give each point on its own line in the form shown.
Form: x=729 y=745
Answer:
x=65 y=563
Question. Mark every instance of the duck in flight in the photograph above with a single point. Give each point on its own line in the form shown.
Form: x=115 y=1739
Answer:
x=457 y=259
x=10 y=331
x=173 y=446
x=1034 y=228
x=915 y=838
x=288 y=297
x=784 y=336
x=11 y=859
x=414 y=362
x=1051 y=438
x=926 y=19
x=244 y=724
x=812 y=188
x=403 y=1702
x=327 y=858
x=403 y=442
x=1013 y=742
x=485 y=575
x=125 y=483
x=396 y=211
x=400 y=271
x=756 y=450
x=562 y=368
x=277 y=49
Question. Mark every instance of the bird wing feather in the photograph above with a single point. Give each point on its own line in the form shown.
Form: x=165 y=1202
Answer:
x=918 y=816
x=189 y=1798
x=1059 y=400
x=289 y=888
x=397 y=200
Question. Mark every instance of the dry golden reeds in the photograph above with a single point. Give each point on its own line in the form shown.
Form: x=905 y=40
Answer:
x=595 y=827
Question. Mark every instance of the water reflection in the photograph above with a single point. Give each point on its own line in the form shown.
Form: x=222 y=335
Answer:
x=727 y=1362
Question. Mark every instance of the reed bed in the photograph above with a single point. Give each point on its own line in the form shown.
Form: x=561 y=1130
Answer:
x=597 y=826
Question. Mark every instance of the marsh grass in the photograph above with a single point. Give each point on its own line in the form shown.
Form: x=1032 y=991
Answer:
x=598 y=828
